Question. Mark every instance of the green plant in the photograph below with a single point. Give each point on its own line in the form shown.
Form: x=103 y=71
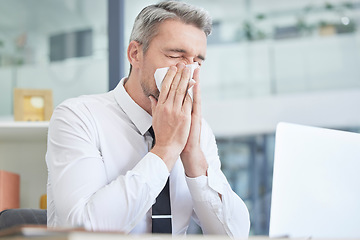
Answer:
x=260 y=16
x=348 y=5
x=329 y=6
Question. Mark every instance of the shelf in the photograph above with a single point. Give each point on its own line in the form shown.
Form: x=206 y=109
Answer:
x=23 y=131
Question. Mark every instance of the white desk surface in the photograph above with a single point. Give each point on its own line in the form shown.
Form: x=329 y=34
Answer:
x=41 y=233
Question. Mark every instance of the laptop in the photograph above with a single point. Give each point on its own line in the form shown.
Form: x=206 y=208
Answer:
x=316 y=183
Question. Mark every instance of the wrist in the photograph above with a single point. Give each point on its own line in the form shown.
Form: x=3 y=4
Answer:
x=195 y=164
x=167 y=154
x=197 y=171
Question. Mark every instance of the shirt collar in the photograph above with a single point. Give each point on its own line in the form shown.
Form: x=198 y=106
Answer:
x=141 y=119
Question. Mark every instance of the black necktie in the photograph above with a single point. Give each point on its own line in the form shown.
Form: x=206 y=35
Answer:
x=161 y=210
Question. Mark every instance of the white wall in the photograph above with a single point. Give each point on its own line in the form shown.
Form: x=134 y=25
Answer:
x=263 y=68
x=316 y=81
x=332 y=109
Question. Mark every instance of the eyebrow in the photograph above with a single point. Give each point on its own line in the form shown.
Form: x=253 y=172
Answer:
x=179 y=50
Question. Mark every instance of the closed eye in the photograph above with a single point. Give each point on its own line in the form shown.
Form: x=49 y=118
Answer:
x=177 y=57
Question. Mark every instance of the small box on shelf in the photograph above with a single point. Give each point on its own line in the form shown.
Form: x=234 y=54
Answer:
x=33 y=104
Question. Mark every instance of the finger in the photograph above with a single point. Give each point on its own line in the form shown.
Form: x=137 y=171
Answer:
x=175 y=83
x=187 y=105
x=181 y=90
x=165 y=87
x=153 y=104
x=196 y=75
x=197 y=93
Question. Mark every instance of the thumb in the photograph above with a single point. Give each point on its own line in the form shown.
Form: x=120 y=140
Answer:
x=153 y=104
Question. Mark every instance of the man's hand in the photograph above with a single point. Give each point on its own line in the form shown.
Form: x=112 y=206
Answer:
x=172 y=115
x=192 y=156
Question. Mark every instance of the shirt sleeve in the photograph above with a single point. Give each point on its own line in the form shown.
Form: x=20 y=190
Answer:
x=82 y=195
x=226 y=215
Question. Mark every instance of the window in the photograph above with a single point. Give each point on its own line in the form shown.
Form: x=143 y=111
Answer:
x=71 y=45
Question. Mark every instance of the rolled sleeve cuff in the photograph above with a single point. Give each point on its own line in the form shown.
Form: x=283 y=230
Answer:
x=201 y=191
x=154 y=170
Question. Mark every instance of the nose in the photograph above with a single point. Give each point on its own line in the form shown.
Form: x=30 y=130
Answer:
x=188 y=61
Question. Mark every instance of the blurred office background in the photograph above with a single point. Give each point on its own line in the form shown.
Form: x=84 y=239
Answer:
x=267 y=61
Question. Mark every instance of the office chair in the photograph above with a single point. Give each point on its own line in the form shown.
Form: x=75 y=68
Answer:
x=13 y=217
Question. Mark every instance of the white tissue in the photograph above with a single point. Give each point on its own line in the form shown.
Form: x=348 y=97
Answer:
x=161 y=72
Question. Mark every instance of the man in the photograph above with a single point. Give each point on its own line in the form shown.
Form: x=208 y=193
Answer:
x=106 y=170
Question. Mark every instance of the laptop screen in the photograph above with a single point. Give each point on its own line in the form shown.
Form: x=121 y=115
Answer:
x=316 y=183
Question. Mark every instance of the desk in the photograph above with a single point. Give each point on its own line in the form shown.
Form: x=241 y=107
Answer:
x=41 y=233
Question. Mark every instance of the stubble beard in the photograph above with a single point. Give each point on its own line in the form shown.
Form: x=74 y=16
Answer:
x=148 y=90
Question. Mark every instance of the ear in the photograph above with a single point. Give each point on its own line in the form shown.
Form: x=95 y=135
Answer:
x=135 y=54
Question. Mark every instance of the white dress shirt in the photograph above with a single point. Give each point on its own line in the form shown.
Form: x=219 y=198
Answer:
x=103 y=177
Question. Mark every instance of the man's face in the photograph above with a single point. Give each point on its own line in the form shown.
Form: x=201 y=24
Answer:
x=176 y=42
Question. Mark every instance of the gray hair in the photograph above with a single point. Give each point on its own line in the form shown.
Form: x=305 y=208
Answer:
x=147 y=22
